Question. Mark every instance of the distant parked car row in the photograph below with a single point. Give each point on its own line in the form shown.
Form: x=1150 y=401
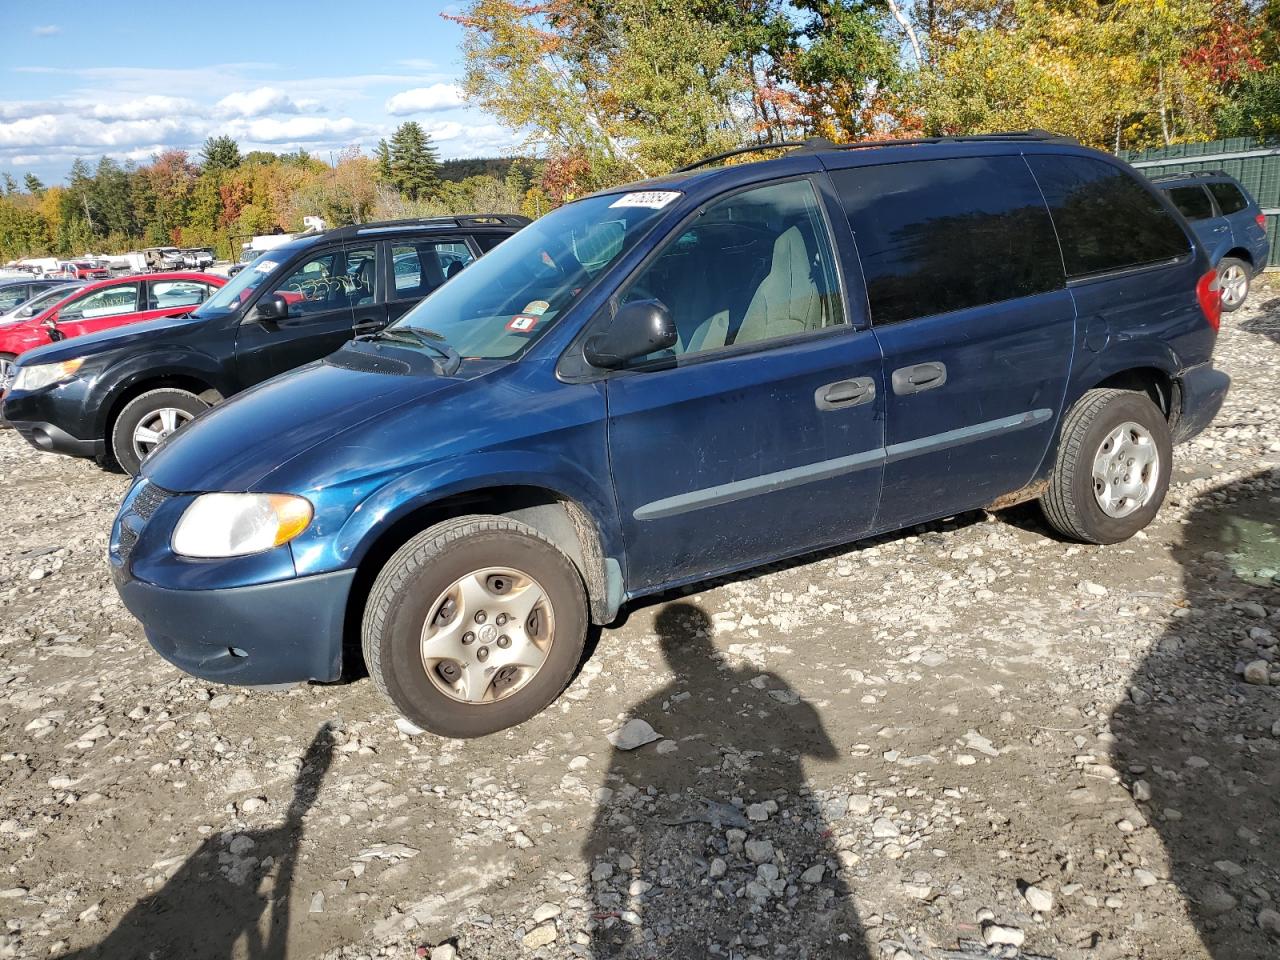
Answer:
x=116 y=395
x=76 y=308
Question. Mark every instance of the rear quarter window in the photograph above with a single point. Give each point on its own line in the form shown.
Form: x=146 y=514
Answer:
x=940 y=235
x=1229 y=197
x=1192 y=202
x=1106 y=219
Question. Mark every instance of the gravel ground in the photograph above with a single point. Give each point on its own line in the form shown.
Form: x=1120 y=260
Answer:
x=969 y=738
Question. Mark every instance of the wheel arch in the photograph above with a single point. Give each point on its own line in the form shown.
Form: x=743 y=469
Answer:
x=1238 y=253
x=563 y=519
x=178 y=380
x=1159 y=386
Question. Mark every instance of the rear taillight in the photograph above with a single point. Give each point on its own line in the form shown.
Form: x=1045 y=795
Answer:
x=1210 y=298
x=1262 y=220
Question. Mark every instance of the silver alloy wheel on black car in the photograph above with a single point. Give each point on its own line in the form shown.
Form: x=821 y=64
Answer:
x=1233 y=283
x=148 y=420
x=1111 y=468
x=474 y=625
x=155 y=427
x=6 y=371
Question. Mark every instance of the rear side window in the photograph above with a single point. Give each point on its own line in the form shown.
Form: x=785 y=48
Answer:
x=942 y=235
x=1229 y=197
x=1192 y=202
x=1106 y=220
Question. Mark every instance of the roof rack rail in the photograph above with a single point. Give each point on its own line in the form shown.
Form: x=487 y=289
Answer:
x=409 y=223
x=1190 y=173
x=815 y=144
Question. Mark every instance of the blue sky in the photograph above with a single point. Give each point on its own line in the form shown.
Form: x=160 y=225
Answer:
x=128 y=78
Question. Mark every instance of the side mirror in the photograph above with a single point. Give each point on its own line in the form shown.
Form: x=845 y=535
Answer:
x=272 y=308
x=639 y=328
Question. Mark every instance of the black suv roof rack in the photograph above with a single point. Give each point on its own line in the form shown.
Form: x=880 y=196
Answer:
x=469 y=220
x=817 y=144
x=1190 y=173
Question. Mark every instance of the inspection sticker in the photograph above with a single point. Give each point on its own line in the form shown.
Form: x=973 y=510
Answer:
x=266 y=266
x=652 y=199
x=522 y=323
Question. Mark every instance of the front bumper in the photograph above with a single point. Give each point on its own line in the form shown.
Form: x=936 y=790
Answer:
x=280 y=632
x=53 y=439
x=1203 y=391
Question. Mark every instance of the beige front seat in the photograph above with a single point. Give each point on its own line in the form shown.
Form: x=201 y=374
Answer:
x=787 y=300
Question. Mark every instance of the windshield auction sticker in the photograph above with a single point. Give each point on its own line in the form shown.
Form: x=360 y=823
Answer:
x=650 y=199
x=522 y=323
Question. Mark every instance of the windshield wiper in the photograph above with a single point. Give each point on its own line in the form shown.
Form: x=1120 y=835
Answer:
x=433 y=341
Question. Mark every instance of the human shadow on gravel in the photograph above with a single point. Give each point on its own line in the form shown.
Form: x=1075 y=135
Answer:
x=680 y=865
x=1199 y=739
x=228 y=900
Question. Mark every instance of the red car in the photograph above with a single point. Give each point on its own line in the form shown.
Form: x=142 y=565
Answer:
x=87 y=270
x=103 y=305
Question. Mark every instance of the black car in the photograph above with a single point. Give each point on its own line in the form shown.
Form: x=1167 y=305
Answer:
x=128 y=389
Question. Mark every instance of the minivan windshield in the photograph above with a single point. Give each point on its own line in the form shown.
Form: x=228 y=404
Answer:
x=229 y=298
x=510 y=297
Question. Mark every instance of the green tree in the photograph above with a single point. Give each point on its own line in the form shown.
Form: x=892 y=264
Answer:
x=220 y=153
x=34 y=185
x=382 y=161
x=1254 y=107
x=110 y=198
x=414 y=161
x=10 y=185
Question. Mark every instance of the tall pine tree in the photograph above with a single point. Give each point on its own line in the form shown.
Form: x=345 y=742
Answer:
x=415 y=165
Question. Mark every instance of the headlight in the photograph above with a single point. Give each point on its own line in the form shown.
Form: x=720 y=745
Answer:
x=236 y=524
x=44 y=374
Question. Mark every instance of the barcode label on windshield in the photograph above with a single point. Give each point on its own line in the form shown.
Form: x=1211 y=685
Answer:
x=652 y=199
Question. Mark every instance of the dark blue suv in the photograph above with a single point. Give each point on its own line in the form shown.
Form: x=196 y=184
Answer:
x=1229 y=225
x=671 y=381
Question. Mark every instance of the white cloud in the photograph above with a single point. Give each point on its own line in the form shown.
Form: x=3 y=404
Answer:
x=256 y=103
x=438 y=96
x=65 y=130
x=298 y=129
x=48 y=30
x=153 y=107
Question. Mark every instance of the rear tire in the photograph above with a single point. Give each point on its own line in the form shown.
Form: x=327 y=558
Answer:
x=1099 y=490
x=456 y=690
x=1233 y=283
x=148 y=419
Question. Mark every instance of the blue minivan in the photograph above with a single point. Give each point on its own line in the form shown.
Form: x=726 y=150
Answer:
x=1229 y=225
x=674 y=380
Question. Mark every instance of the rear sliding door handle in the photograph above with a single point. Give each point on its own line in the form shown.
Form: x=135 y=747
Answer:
x=919 y=378
x=845 y=393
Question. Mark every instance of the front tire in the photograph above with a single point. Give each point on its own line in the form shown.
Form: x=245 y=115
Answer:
x=147 y=420
x=475 y=625
x=1233 y=283
x=6 y=370
x=1112 y=467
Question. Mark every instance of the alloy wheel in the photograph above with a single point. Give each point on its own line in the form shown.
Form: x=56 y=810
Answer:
x=1126 y=470
x=155 y=427
x=487 y=636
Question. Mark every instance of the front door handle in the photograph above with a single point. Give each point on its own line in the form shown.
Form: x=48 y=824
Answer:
x=845 y=393
x=918 y=378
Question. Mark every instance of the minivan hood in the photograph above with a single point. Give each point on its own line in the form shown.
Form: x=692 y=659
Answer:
x=237 y=443
x=91 y=344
